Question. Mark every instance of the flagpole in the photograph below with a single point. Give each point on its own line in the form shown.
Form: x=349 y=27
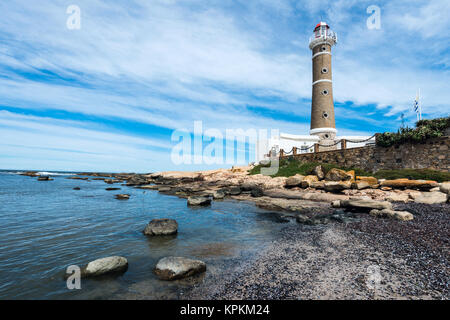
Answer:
x=420 y=107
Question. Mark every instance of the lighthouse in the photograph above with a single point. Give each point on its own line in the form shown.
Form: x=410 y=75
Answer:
x=322 y=108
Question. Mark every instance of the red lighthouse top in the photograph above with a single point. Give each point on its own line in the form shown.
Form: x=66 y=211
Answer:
x=321 y=24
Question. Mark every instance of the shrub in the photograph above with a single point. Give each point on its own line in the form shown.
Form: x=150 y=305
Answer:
x=425 y=129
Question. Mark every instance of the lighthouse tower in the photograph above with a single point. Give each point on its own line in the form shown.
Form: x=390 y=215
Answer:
x=322 y=108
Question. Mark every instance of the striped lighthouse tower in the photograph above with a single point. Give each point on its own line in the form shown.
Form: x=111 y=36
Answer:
x=322 y=108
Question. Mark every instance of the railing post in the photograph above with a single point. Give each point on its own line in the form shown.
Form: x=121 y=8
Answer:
x=316 y=147
x=294 y=151
x=281 y=153
x=343 y=144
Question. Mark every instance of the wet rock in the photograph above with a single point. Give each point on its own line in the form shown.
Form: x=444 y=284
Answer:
x=161 y=227
x=431 y=197
x=334 y=186
x=308 y=180
x=364 y=204
x=78 y=178
x=257 y=192
x=199 y=201
x=410 y=184
x=44 y=178
x=233 y=191
x=112 y=189
x=30 y=174
x=173 y=268
x=77 y=188
x=399 y=215
x=218 y=195
x=105 y=266
x=122 y=196
x=318 y=171
x=338 y=175
x=294 y=181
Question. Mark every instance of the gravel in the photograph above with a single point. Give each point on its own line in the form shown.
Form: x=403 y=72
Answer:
x=366 y=258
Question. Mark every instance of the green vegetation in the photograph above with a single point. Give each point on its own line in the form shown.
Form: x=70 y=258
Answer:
x=425 y=129
x=413 y=174
x=290 y=167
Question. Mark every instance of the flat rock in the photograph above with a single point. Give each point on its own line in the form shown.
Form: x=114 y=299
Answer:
x=360 y=185
x=337 y=186
x=294 y=181
x=365 y=204
x=172 y=268
x=410 y=184
x=431 y=197
x=199 y=201
x=370 y=180
x=398 y=215
x=105 y=266
x=398 y=197
x=161 y=227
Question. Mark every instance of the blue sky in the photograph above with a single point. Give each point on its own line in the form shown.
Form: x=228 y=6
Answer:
x=107 y=97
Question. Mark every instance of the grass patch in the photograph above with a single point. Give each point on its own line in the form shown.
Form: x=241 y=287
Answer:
x=413 y=174
x=291 y=167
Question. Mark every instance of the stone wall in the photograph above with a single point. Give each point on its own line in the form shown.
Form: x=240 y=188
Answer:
x=432 y=154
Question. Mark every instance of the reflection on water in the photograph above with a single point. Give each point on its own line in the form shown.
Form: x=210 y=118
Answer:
x=47 y=226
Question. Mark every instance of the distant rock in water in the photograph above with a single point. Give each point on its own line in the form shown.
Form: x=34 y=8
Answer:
x=161 y=227
x=199 y=201
x=112 y=189
x=122 y=196
x=104 y=266
x=173 y=268
x=78 y=178
x=45 y=178
x=77 y=188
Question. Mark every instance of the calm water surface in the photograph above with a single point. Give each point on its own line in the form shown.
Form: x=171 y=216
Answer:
x=47 y=226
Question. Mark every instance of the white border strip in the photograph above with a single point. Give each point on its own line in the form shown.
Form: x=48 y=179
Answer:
x=322 y=130
x=322 y=80
x=320 y=53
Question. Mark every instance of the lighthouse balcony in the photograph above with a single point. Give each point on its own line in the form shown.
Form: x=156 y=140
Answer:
x=323 y=36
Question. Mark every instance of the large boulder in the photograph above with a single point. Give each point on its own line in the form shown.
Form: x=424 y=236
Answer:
x=399 y=215
x=337 y=186
x=318 y=171
x=161 y=227
x=364 y=204
x=294 y=181
x=257 y=192
x=308 y=180
x=360 y=185
x=370 y=180
x=338 y=175
x=172 y=268
x=233 y=191
x=218 y=195
x=431 y=197
x=105 y=266
x=445 y=187
x=199 y=201
x=410 y=184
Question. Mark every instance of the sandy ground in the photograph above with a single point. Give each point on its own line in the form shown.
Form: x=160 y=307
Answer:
x=369 y=258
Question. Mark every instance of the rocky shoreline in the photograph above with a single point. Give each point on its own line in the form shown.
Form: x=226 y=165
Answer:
x=343 y=227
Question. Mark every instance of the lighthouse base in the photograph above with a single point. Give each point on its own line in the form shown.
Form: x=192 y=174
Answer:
x=327 y=138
